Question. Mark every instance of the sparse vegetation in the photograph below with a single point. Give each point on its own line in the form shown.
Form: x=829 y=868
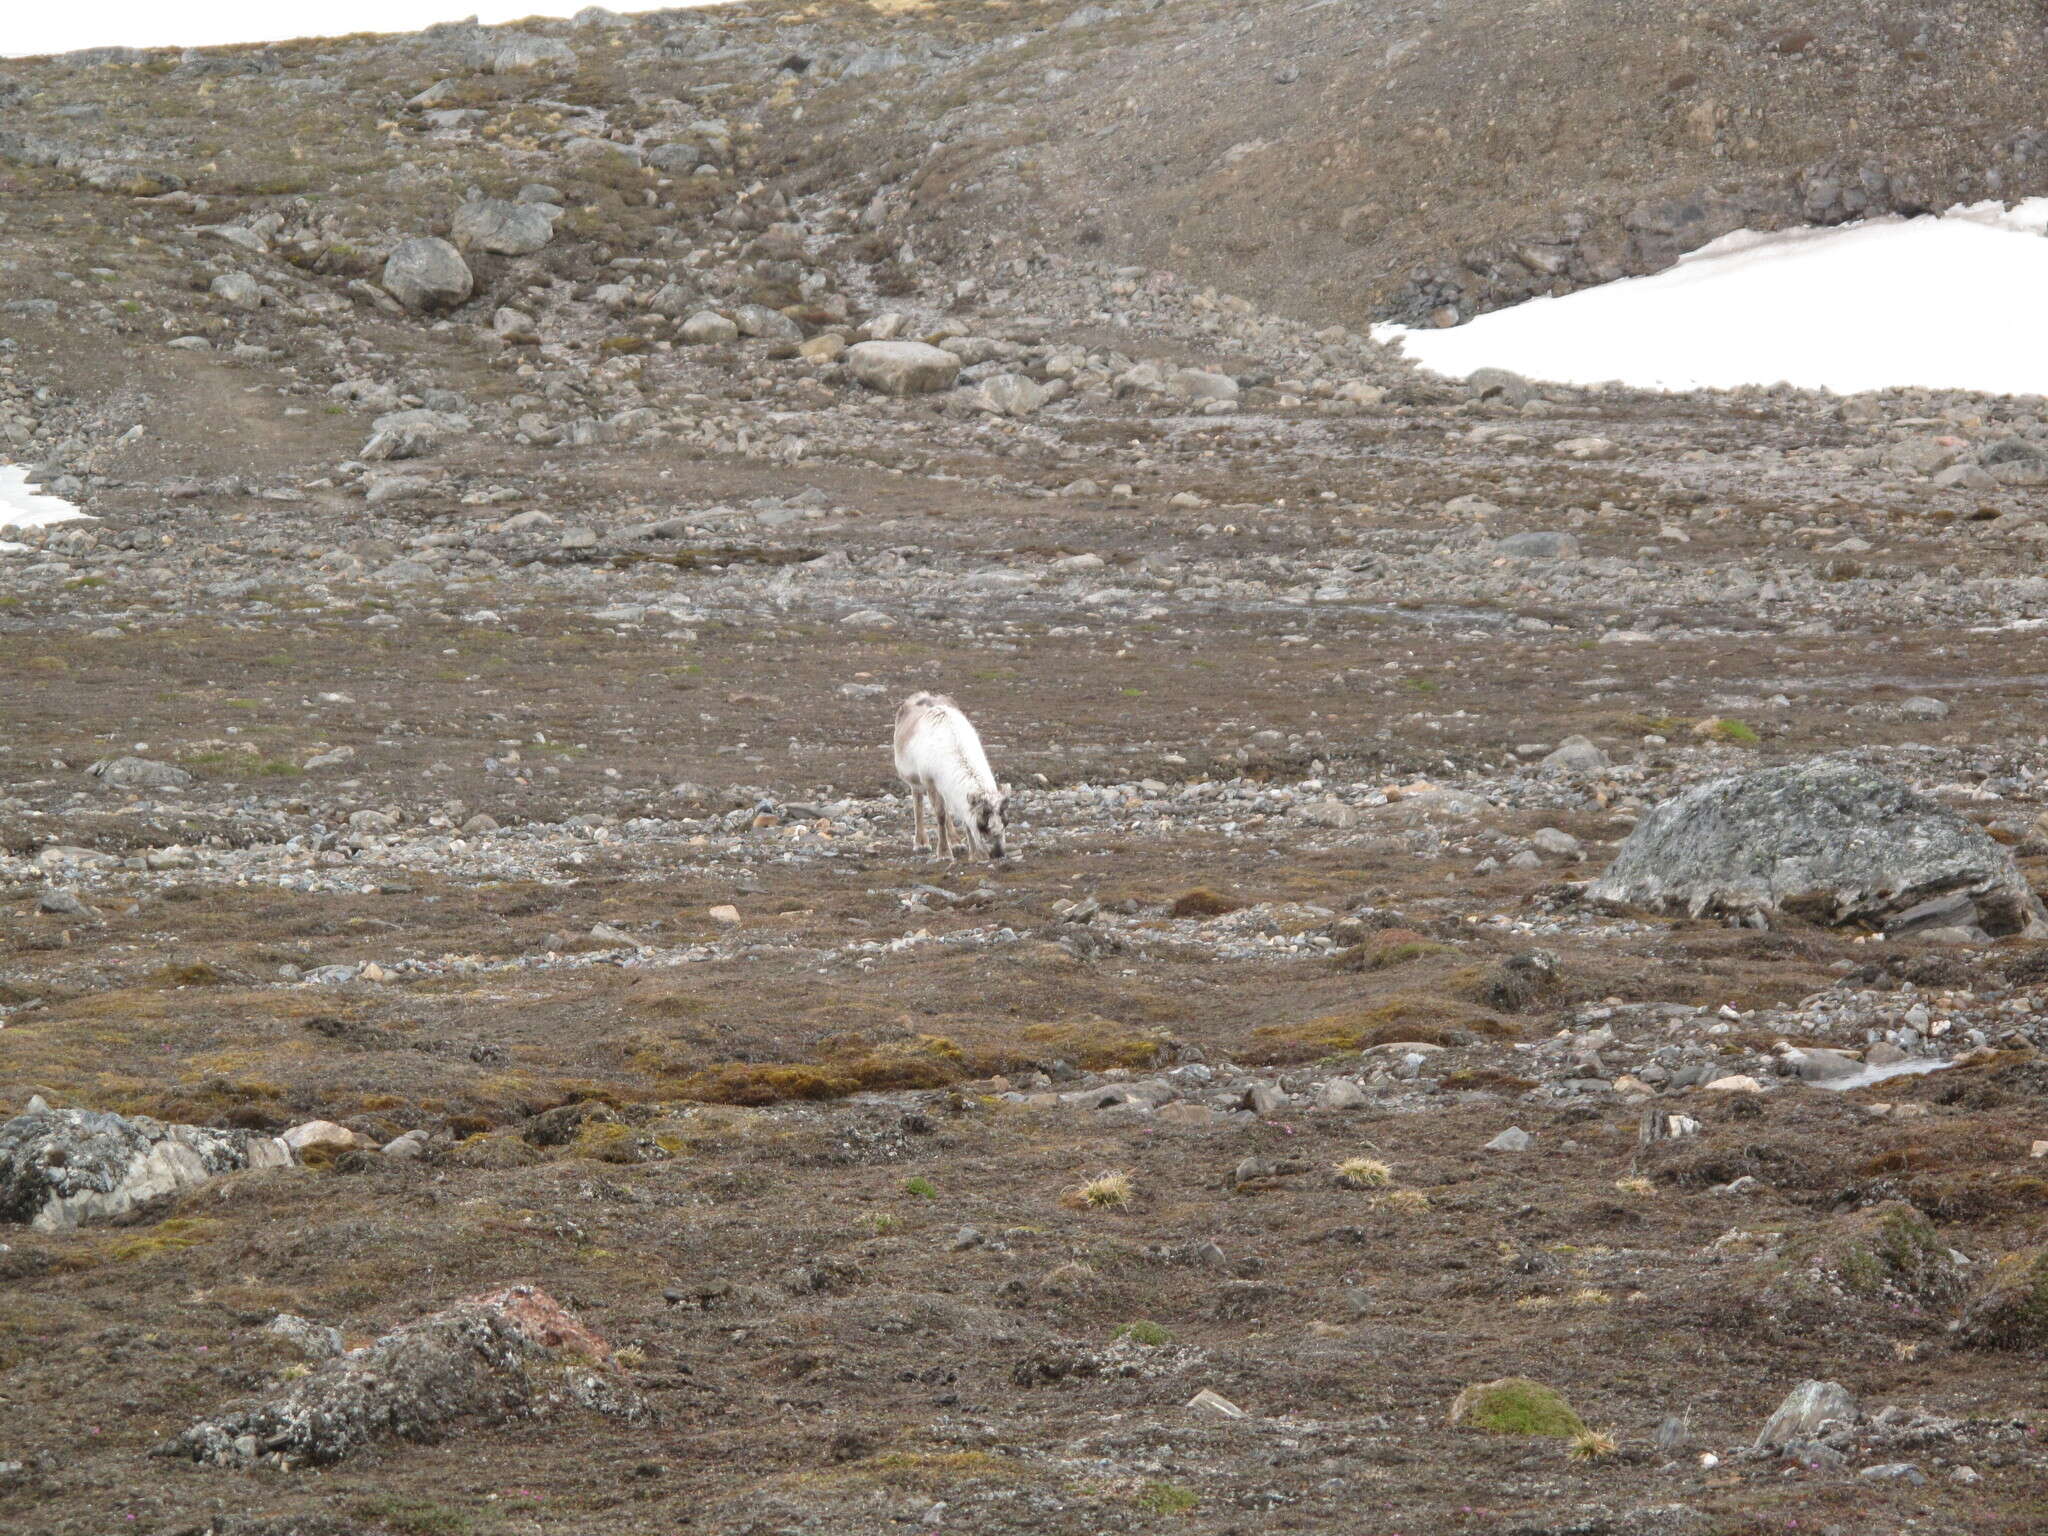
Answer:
x=1167 y=1499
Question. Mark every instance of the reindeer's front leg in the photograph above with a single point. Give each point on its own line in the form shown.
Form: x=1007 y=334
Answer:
x=945 y=827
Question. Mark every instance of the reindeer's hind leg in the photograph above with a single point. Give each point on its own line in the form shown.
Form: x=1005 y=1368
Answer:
x=917 y=837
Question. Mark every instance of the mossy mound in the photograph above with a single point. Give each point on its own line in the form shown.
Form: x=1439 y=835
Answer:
x=1388 y=948
x=2012 y=1310
x=494 y=1150
x=1889 y=1253
x=1515 y=1405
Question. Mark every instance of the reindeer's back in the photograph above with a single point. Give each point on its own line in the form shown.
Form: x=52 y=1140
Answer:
x=919 y=713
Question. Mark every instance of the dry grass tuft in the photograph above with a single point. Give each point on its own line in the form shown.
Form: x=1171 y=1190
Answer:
x=1364 y=1173
x=1104 y=1192
x=1591 y=1445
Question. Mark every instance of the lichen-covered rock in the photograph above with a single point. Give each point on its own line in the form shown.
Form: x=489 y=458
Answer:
x=1828 y=840
x=507 y=228
x=1515 y=1405
x=313 y=1341
x=427 y=273
x=515 y=1353
x=138 y=773
x=2011 y=1312
x=1807 y=1410
x=61 y=1167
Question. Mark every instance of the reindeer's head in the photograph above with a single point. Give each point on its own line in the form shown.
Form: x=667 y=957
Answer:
x=988 y=824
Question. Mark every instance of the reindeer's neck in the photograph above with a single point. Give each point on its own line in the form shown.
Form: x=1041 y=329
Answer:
x=968 y=771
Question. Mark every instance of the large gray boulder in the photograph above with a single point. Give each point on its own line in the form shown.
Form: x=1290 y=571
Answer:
x=61 y=1167
x=902 y=367
x=427 y=273
x=506 y=228
x=517 y=1353
x=1827 y=840
x=1807 y=1409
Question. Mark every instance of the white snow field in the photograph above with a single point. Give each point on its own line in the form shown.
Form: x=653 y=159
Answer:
x=23 y=506
x=1954 y=301
x=149 y=24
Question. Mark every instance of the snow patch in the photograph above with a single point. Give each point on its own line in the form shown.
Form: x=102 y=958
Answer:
x=1918 y=1067
x=1955 y=301
x=23 y=506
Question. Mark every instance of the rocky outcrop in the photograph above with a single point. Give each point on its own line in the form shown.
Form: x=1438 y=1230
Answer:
x=62 y=1167
x=1827 y=840
x=516 y=1353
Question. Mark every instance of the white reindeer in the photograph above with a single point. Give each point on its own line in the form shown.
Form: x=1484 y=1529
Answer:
x=939 y=755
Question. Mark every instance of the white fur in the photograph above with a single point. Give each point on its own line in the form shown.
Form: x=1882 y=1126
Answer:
x=939 y=756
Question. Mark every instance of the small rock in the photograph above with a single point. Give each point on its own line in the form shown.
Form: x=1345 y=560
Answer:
x=1587 y=448
x=1513 y=1139
x=237 y=289
x=56 y=901
x=1574 y=756
x=1341 y=1093
x=1212 y=1402
x=707 y=328
x=319 y=1133
x=315 y=1341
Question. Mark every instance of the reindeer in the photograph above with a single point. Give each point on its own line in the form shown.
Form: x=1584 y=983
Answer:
x=939 y=756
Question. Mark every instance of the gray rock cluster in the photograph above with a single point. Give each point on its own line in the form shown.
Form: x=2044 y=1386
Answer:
x=62 y=1167
x=516 y=1353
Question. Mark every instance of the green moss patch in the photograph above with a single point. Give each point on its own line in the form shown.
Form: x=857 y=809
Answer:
x=1515 y=1405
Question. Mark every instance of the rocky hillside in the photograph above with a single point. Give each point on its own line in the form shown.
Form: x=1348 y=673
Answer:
x=1334 y=161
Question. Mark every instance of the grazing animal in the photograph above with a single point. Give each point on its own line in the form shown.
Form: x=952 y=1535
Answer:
x=939 y=756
